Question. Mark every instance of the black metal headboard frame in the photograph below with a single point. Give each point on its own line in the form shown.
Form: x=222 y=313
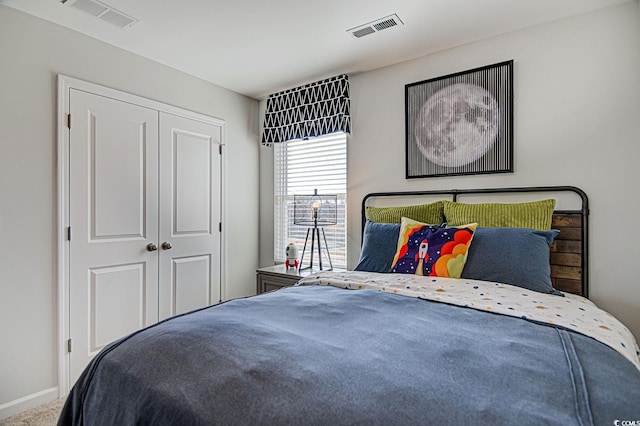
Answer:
x=454 y=193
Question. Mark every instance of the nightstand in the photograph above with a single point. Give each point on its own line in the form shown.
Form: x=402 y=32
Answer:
x=278 y=276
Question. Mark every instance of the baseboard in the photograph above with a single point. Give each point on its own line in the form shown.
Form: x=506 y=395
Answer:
x=27 y=402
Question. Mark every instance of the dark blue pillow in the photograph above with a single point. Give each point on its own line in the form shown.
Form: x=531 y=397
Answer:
x=516 y=256
x=379 y=244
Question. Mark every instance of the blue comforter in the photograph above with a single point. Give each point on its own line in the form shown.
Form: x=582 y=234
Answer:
x=322 y=355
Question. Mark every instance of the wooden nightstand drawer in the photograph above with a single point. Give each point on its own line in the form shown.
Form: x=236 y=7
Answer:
x=275 y=277
x=278 y=276
x=268 y=285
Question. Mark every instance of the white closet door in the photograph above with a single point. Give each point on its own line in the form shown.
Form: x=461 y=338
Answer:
x=113 y=188
x=190 y=190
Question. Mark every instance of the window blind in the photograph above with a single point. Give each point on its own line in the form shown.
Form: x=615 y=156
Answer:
x=300 y=166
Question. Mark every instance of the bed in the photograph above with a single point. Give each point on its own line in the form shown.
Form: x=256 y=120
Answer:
x=385 y=345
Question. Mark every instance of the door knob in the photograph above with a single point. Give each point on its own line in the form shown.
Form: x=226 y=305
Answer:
x=166 y=245
x=152 y=247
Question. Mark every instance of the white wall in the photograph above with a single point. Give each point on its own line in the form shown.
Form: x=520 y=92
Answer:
x=577 y=122
x=32 y=53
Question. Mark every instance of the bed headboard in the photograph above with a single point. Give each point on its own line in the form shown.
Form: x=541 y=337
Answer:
x=569 y=252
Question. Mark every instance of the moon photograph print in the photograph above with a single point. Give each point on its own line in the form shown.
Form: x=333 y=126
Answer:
x=461 y=123
x=457 y=125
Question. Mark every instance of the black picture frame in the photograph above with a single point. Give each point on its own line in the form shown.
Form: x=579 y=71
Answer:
x=461 y=123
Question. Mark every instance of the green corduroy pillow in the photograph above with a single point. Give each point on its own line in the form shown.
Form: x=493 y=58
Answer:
x=535 y=215
x=432 y=213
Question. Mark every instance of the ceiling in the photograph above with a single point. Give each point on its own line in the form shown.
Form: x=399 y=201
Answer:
x=257 y=47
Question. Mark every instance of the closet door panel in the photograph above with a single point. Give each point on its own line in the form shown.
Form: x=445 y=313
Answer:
x=192 y=283
x=192 y=183
x=117 y=176
x=190 y=188
x=121 y=286
x=113 y=187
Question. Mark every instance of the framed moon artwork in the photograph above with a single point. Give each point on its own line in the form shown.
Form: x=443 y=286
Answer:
x=460 y=124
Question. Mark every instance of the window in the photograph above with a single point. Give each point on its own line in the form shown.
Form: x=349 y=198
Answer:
x=300 y=166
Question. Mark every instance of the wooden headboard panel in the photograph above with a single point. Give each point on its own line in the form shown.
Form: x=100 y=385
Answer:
x=569 y=252
x=568 y=256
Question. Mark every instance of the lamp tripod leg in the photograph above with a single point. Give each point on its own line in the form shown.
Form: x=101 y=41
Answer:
x=313 y=237
x=317 y=230
x=304 y=249
x=327 y=247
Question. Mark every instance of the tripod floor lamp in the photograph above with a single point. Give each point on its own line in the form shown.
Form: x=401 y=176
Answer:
x=315 y=211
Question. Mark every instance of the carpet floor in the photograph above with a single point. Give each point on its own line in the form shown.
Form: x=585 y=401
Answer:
x=43 y=415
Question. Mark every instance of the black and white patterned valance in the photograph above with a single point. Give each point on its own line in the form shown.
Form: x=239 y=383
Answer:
x=315 y=109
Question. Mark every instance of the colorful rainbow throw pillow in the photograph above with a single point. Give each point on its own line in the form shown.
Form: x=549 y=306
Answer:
x=432 y=250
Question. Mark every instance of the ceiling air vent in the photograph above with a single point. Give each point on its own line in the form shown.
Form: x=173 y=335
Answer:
x=375 y=26
x=102 y=11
